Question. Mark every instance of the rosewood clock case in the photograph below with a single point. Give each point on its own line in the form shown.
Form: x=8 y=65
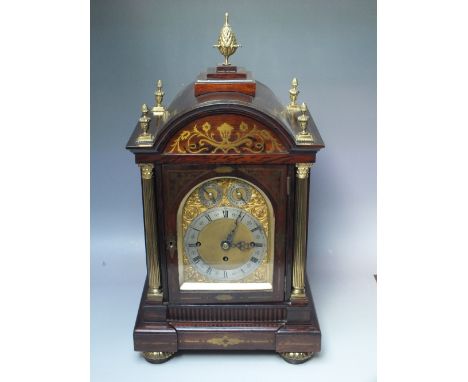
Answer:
x=205 y=134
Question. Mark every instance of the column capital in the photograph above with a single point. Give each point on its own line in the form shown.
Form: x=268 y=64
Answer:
x=302 y=170
x=146 y=170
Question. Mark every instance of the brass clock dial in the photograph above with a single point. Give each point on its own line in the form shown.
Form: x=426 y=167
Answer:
x=210 y=194
x=239 y=194
x=225 y=236
x=225 y=243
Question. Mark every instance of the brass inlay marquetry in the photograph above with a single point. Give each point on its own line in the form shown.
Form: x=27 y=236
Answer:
x=226 y=341
x=224 y=297
x=225 y=139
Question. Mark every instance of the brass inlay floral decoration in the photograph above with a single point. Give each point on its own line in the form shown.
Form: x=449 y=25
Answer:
x=225 y=341
x=224 y=139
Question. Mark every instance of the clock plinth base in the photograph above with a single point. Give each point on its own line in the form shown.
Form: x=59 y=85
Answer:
x=296 y=358
x=164 y=328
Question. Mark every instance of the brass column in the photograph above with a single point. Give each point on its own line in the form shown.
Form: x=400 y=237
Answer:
x=149 y=211
x=300 y=230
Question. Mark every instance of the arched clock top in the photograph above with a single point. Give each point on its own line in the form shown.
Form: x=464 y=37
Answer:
x=224 y=123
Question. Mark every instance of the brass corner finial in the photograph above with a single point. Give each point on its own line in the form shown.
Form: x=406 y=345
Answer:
x=144 y=119
x=144 y=138
x=293 y=93
x=227 y=42
x=304 y=137
x=158 y=109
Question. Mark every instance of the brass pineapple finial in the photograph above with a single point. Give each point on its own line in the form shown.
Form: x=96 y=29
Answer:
x=144 y=137
x=304 y=137
x=293 y=93
x=227 y=42
x=158 y=108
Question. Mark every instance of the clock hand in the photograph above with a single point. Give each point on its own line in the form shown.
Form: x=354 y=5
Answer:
x=242 y=245
x=210 y=194
x=240 y=196
x=226 y=244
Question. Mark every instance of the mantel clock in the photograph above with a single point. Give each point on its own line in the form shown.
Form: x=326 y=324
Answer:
x=225 y=181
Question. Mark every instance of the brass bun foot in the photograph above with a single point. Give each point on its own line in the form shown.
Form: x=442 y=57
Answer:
x=296 y=358
x=157 y=356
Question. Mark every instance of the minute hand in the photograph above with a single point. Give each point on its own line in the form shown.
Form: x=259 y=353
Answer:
x=231 y=234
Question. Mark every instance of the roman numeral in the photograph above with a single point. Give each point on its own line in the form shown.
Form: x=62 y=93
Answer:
x=225 y=275
x=192 y=245
x=208 y=217
x=255 y=229
x=225 y=213
x=208 y=271
x=252 y=244
x=254 y=260
x=196 y=259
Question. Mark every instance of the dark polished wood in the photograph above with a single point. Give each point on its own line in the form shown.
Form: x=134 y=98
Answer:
x=212 y=86
x=267 y=159
x=225 y=81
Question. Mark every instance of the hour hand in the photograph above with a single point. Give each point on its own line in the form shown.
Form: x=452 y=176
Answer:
x=209 y=194
x=242 y=245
